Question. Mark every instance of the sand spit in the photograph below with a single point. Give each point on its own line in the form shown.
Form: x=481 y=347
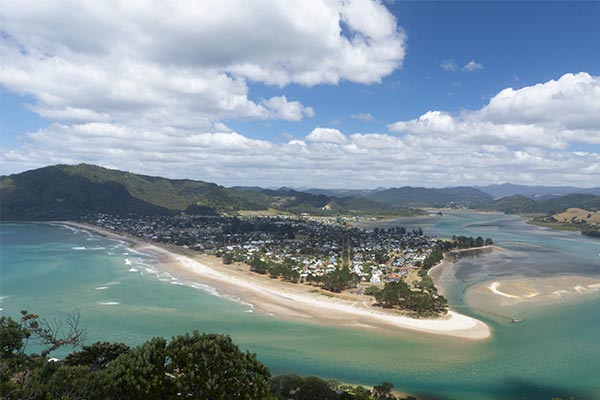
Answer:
x=293 y=301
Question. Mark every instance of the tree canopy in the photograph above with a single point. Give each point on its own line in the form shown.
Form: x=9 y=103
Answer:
x=194 y=366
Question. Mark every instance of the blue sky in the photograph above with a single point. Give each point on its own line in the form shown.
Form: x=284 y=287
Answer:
x=341 y=127
x=518 y=43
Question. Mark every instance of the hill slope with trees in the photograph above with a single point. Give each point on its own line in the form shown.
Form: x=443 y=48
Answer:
x=425 y=197
x=194 y=366
x=70 y=191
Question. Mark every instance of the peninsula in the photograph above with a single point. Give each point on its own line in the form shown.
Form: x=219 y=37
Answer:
x=306 y=268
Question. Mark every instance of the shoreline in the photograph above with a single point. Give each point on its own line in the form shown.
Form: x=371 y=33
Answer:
x=291 y=301
x=437 y=272
x=520 y=294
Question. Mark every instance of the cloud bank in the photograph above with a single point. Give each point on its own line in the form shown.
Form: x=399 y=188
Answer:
x=521 y=135
x=150 y=87
x=187 y=64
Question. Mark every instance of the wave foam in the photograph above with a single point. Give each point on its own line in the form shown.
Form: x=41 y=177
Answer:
x=206 y=288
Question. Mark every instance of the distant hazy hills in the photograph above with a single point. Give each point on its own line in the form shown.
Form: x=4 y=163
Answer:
x=69 y=191
x=521 y=204
x=496 y=191
x=535 y=192
x=424 y=197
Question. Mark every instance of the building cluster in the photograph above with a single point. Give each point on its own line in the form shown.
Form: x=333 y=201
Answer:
x=312 y=247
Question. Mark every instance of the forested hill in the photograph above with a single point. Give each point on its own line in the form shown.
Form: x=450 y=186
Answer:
x=294 y=201
x=70 y=191
x=535 y=192
x=522 y=204
x=64 y=192
x=430 y=197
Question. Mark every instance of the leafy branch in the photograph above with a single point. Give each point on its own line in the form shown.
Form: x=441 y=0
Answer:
x=50 y=333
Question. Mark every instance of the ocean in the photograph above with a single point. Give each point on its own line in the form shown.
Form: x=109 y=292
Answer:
x=123 y=296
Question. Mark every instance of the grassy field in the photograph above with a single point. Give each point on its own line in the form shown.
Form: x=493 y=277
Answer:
x=578 y=215
x=555 y=225
x=571 y=219
x=271 y=212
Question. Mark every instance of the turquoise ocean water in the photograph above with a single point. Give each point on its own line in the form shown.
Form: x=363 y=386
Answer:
x=122 y=296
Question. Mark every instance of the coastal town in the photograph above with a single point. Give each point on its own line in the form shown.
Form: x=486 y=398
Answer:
x=325 y=252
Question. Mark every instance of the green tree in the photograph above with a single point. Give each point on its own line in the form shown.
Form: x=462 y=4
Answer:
x=361 y=393
x=478 y=241
x=227 y=258
x=313 y=388
x=12 y=337
x=372 y=291
x=336 y=280
x=140 y=373
x=96 y=356
x=383 y=391
x=72 y=382
x=393 y=294
x=211 y=366
x=283 y=386
x=258 y=265
x=51 y=333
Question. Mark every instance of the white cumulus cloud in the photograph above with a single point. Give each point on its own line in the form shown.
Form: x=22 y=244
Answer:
x=187 y=64
x=554 y=114
x=326 y=157
x=326 y=135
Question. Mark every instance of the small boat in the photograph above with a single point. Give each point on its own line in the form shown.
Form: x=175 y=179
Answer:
x=516 y=321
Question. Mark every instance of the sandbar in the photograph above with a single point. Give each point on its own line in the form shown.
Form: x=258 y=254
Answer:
x=531 y=292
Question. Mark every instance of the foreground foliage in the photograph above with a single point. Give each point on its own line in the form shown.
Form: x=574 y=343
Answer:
x=196 y=366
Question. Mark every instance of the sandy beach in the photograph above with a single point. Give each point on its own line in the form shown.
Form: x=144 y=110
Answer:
x=443 y=273
x=293 y=301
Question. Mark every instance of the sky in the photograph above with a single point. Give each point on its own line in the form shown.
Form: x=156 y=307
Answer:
x=312 y=93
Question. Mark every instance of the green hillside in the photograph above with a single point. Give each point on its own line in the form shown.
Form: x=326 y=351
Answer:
x=423 y=197
x=294 y=201
x=70 y=191
x=520 y=204
x=65 y=192
x=513 y=205
x=585 y=201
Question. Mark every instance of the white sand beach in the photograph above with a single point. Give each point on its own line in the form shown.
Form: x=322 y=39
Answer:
x=295 y=301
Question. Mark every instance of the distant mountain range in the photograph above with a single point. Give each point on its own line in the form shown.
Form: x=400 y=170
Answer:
x=517 y=204
x=424 y=197
x=342 y=192
x=535 y=192
x=496 y=191
x=70 y=191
